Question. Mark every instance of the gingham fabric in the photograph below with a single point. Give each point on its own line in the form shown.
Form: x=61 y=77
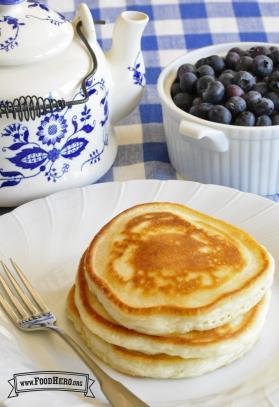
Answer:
x=174 y=27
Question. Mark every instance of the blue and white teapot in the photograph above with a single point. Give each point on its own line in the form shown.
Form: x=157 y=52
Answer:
x=60 y=97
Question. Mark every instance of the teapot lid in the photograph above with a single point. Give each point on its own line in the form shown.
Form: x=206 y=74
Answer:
x=30 y=32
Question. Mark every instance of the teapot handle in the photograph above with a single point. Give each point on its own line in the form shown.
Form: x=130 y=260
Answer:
x=84 y=15
x=30 y=107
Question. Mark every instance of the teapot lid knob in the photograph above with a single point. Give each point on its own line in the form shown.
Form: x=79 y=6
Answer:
x=10 y=2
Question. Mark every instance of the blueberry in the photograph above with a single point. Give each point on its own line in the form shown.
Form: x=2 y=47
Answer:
x=216 y=62
x=214 y=92
x=194 y=110
x=259 y=50
x=261 y=87
x=183 y=101
x=275 y=57
x=226 y=78
x=275 y=120
x=197 y=101
x=236 y=105
x=205 y=70
x=239 y=51
x=262 y=50
x=275 y=99
x=234 y=90
x=273 y=81
x=245 y=80
x=188 y=81
x=263 y=106
x=245 y=119
x=200 y=62
x=232 y=59
x=244 y=64
x=185 y=68
x=203 y=83
x=175 y=88
x=262 y=65
x=201 y=110
x=264 y=120
x=266 y=79
x=229 y=71
x=252 y=97
x=220 y=114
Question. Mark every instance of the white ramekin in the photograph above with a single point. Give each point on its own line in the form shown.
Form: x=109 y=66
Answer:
x=246 y=158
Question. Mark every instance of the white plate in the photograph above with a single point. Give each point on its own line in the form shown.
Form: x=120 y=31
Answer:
x=47 y=238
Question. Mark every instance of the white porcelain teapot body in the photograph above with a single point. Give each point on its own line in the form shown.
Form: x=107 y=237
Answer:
x=42 y=54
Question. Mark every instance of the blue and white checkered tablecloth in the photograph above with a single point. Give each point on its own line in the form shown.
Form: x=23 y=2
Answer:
x=175 y=27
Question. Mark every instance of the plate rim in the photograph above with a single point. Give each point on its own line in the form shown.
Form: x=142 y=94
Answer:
x=136 y=181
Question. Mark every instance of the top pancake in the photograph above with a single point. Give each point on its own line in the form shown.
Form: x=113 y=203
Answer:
x=163 y=268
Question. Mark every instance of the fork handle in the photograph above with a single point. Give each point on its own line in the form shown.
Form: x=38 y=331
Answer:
x=117 y=394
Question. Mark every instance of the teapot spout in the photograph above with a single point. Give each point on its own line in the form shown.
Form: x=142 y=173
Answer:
x=126 y=64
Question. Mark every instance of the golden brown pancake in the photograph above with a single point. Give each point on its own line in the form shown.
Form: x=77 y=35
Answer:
x=141 y=364
x=232 y=337
x=163 y=268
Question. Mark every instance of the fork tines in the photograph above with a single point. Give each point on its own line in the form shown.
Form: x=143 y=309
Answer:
x=25 y=302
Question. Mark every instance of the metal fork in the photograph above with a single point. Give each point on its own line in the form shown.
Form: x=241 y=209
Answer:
x=29 y=312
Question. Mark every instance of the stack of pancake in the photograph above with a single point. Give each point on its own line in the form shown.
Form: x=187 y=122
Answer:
x=165 y=291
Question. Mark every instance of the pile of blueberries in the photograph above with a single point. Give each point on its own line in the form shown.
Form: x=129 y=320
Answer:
x=240 y=89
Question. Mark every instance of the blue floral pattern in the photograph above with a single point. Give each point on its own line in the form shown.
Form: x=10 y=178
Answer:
x=137 y=70
x=52 y=129
x=33 y=3
x=10 y=26
x=95 y=156
x=7 y=24
x=60 y=19
x=60 y=138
